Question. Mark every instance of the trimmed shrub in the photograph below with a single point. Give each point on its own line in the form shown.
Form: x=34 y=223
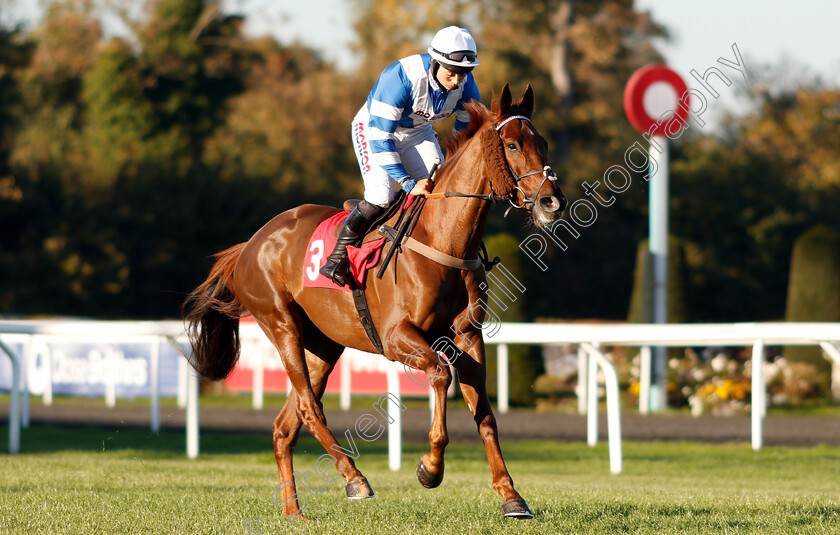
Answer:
x=814 y=294
x=641 y=299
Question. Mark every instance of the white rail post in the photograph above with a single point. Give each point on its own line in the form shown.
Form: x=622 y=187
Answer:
x=109 y=353
x=644 y=379
x=592 y=400
x=833 y=353
x=257 y=381
x=14 y=401
x=831 y=350
x=582 y=381
x=395 y=423
x=758 y=408
x=613 y=407
x=192 y=414
x=191 y=424
x=154 y=381
x=24 y=406
x=183 y=377
x=47 y=398
x=503 y=374
x=344 y=393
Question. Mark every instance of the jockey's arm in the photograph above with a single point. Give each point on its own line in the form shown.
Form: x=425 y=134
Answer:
x=388 y=100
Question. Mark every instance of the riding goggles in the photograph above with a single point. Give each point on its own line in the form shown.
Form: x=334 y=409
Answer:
x=458 y=56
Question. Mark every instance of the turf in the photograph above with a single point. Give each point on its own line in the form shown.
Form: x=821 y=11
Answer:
x=95 y=480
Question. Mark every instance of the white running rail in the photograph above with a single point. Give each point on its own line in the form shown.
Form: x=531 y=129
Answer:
x=590 y=337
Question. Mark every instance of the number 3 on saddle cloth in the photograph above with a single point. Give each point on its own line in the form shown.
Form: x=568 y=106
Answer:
x=321 y=245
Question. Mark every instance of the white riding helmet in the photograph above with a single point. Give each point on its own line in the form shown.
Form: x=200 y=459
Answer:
x=454 y=48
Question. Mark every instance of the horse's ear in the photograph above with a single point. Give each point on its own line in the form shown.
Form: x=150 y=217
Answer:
x=505 y=100
x=527 y=101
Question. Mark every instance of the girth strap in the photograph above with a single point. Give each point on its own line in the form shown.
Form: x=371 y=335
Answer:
x=366 y=319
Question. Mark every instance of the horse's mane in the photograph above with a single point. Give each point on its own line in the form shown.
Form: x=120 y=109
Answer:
x=479 y=114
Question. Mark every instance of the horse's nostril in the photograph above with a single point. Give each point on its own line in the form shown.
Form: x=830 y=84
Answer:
x=550 y=203
x=563 y=203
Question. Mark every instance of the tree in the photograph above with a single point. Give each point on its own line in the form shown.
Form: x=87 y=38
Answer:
x=388 y=30
x=796 y=130
x=51 y=85
x=15 y=55
x=739 y=200
x=120 y=119
x=291 y=125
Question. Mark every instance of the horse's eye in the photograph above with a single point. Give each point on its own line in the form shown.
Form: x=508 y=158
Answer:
x=512 y=147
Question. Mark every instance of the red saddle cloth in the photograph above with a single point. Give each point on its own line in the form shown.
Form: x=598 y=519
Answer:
x=321 y=245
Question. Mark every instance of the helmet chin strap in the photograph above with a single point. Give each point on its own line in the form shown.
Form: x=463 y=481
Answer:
x=435 y=68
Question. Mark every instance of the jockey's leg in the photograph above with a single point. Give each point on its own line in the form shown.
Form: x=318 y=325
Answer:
x=353 y=229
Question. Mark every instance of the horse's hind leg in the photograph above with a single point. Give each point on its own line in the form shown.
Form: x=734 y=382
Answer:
x=285 y=432
x=284 y=327
x=287 y=429
x=472 y=376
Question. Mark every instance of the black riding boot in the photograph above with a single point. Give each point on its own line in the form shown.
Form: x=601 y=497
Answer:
x=352 y=230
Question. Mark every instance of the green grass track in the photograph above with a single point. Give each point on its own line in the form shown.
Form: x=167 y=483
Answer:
x=96 y=481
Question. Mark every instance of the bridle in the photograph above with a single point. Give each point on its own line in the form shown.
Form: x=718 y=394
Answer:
x=403 y=235
x=548 y=173
x=528 y=202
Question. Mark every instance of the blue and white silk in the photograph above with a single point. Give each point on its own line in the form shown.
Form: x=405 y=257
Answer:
x=392 y=133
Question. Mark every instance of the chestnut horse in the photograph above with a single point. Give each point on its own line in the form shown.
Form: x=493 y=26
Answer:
x=499 y=156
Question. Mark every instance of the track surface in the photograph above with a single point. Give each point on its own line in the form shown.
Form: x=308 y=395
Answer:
x=515 y=425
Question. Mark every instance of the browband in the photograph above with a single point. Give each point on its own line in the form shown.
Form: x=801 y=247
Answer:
x=509 y=119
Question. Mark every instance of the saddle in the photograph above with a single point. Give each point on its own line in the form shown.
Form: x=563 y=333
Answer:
x=364 y=254
x=388 y=213
x=399 y=235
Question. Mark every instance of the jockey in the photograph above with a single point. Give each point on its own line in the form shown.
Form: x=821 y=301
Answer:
x=392 y=133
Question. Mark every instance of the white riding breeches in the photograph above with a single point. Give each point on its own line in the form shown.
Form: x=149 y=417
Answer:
x=418 y=149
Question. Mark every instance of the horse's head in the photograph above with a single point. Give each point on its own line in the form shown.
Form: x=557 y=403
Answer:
x=531 y=184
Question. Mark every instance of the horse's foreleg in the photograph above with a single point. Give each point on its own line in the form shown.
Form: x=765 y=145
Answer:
x=472 y=376
x=431 y=466
x=416 y=353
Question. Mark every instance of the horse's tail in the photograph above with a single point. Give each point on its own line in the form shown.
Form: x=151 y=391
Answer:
x=212 y=312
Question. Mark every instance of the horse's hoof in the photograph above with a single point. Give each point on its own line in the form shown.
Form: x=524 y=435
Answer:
x=426 y=478
x=517 y=509
x=358 y=489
